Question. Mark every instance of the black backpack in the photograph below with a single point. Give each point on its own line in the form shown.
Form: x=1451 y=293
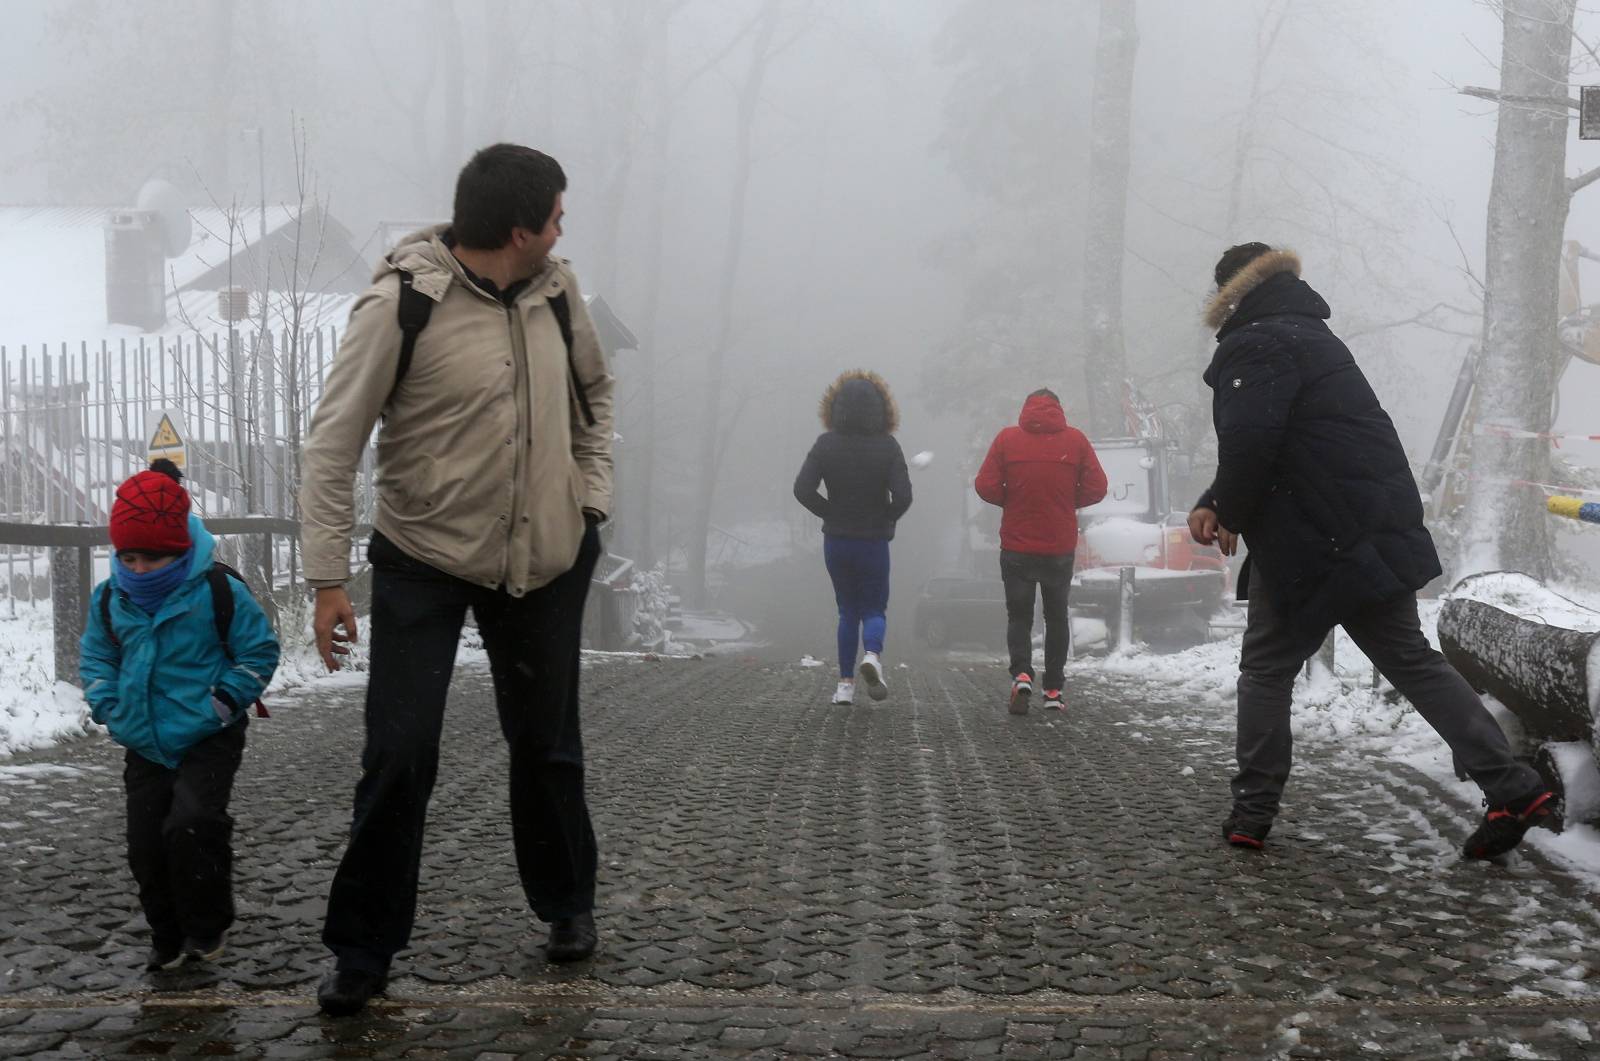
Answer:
x=416 y=308
x=221 y=610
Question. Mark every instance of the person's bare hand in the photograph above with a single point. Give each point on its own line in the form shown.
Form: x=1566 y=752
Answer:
x=1203 y=526
x=1227 y=541
x=334 y=624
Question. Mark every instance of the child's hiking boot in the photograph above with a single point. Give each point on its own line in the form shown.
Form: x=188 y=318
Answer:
x=1503 y=827
x=845 y=693
x=206 y=948
x=164 y=955
x=872 y=673
x=1243 y=832
x=1054 y=700
x=1021 y=690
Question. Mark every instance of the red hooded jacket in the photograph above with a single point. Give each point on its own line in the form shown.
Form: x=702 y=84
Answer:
x=1041 y=472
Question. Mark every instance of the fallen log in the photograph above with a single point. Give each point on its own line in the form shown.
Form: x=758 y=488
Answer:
x=1545 y=675
x=1542 y=673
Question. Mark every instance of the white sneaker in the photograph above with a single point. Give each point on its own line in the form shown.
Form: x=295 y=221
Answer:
x=846 y=693
x=871 y=670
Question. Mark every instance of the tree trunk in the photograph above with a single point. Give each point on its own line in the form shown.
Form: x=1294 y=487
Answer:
x=1105 y=360
x=1505 y=522
x=716 y=359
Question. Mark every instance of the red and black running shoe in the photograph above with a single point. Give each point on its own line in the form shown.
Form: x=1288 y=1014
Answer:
x=1021 y=691
x=1503 y=827
x=1241 y=832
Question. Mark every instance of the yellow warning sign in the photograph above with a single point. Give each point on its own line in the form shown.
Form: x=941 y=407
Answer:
x=166 y=436
x=166 y=440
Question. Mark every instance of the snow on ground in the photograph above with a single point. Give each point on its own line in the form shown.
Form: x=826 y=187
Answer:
x=35 y=710
x=1352 y=713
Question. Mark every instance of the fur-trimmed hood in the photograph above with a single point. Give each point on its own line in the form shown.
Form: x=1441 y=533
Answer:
x=859 y=403
x=1227 y=299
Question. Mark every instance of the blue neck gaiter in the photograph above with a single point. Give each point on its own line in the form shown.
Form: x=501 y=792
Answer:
x=152 y=588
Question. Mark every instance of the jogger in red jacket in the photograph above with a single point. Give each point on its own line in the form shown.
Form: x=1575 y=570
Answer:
x=1040 y=472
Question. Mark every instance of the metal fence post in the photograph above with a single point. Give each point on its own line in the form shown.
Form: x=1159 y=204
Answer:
x=1324 y=656
x=70 y=567
x=1125 y=591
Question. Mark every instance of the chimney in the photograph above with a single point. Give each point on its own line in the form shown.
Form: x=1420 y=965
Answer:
x=136 y=292
x=233 y=303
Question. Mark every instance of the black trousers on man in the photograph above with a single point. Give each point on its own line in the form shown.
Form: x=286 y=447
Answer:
x=180 y=837
x=1391 y=636
x=1021 y=572
x=533 y=645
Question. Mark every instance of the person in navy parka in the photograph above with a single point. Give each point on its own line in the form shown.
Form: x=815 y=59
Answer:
x=161 y=680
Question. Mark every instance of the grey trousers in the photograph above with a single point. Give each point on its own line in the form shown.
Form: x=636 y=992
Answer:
x=1391 y=636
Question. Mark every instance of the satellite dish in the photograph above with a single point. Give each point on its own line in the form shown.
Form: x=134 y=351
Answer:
x=163 y=200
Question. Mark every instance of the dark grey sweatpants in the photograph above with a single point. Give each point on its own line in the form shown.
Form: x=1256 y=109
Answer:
x=1391 y=636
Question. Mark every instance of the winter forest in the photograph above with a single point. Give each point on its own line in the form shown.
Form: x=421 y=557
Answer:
x=972 y=200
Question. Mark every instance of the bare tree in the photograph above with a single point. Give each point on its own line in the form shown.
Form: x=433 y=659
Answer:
x=1105 y=358
x=1505 y=522
x=711 y=427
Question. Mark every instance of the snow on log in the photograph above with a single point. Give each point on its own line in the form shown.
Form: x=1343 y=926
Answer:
x=1569 y=767
x=1542 y=673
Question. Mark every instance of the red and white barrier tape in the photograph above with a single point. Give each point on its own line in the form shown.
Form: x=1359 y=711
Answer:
x=1499 y=431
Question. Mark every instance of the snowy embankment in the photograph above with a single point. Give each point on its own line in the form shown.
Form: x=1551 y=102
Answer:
x=1350 y=714
x=36 y=711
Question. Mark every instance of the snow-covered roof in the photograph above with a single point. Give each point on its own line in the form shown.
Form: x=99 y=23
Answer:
x=53 y=271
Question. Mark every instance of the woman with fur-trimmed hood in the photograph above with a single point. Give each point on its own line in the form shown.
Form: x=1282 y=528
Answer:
x=868 y=489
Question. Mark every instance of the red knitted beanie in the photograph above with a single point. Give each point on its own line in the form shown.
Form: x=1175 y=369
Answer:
x=151 y=513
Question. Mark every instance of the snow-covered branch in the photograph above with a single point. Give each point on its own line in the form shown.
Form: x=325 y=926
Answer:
x=1582 y=181
x=1496 y=96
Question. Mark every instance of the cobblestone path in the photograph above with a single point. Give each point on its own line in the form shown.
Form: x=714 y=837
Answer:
x=929 y=877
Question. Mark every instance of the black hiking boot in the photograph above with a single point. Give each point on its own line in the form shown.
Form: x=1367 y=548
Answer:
x=1243 y=832
x=572 y=939
x=1503 y=827
x=347 y=991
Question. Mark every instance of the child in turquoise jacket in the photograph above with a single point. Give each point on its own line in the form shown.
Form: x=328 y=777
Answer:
x=168 y=687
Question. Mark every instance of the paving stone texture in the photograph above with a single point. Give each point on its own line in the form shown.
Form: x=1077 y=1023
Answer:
x=928 y=877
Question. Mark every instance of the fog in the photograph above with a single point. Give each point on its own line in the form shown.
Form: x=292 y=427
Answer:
x=912 y=203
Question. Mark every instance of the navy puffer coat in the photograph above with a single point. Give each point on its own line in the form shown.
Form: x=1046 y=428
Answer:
x=857 y=460
x=1310 y=469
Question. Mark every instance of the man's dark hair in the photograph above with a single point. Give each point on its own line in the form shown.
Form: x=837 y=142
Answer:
x=1045 y=392
x=1235 y=258
x=504 y=186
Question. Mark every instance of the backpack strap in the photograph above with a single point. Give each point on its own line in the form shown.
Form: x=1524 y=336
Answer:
x=563 y=311
x=222 y=602
x=222 y=612
x=414 y=310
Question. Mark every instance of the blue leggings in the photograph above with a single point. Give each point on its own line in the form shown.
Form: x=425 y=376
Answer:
x=859 y=568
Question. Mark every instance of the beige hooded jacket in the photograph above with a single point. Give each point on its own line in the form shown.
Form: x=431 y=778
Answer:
x=485 y=462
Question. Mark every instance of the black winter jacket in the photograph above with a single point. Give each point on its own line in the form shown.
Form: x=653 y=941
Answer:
x=858 y=460
x=1310 y=469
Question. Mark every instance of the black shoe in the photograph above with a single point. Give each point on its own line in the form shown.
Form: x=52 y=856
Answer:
x=572 y=939
x=1242 y=832
x=205 y=948
x=164 y=956
x=346 y=991
x=1503 y=827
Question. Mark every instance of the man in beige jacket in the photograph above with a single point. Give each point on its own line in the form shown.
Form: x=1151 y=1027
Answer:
x=493 y=473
